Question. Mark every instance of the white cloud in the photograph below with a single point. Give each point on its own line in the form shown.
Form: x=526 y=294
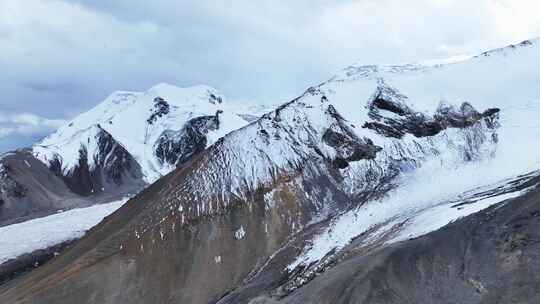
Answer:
x=20 y=129
x=28 y=119
x=6 y=131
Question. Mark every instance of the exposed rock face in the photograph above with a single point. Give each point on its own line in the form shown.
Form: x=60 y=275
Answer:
x=214 y=99
x=404 y=120
x=177 y=147
x=108 y=164
x=347 y=145
x=161 y=108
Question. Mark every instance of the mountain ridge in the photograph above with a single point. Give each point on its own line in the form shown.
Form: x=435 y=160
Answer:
x=272 y=210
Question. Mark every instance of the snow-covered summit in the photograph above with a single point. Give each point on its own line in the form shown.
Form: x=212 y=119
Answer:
x=137 y=121
x=360 y=70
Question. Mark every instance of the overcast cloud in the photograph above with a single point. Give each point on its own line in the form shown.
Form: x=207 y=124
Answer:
x=58 y=58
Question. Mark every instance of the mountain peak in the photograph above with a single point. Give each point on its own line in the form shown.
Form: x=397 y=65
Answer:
x=140 y=121
x=176 y=93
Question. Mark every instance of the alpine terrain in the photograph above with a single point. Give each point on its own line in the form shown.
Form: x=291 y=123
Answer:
x=115 y=149
x=414 y=183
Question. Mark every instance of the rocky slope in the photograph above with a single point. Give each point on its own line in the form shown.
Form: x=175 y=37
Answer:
x=116 y=149
x=329 y=189
x=488 y=257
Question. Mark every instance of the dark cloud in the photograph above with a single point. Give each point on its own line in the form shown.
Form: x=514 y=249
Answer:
x=59 y=58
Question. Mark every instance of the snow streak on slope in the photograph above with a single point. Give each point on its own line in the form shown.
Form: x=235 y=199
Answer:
x=41 y=233
x=137 y=119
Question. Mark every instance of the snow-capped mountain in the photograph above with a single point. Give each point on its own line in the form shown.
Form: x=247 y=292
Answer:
x=115 y=149
x=158 y=127
x=298 y=205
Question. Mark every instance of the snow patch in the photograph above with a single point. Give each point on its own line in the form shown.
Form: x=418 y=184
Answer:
x=41 y=233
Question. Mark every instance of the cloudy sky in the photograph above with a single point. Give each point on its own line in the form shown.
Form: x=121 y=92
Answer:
x=58 y=58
